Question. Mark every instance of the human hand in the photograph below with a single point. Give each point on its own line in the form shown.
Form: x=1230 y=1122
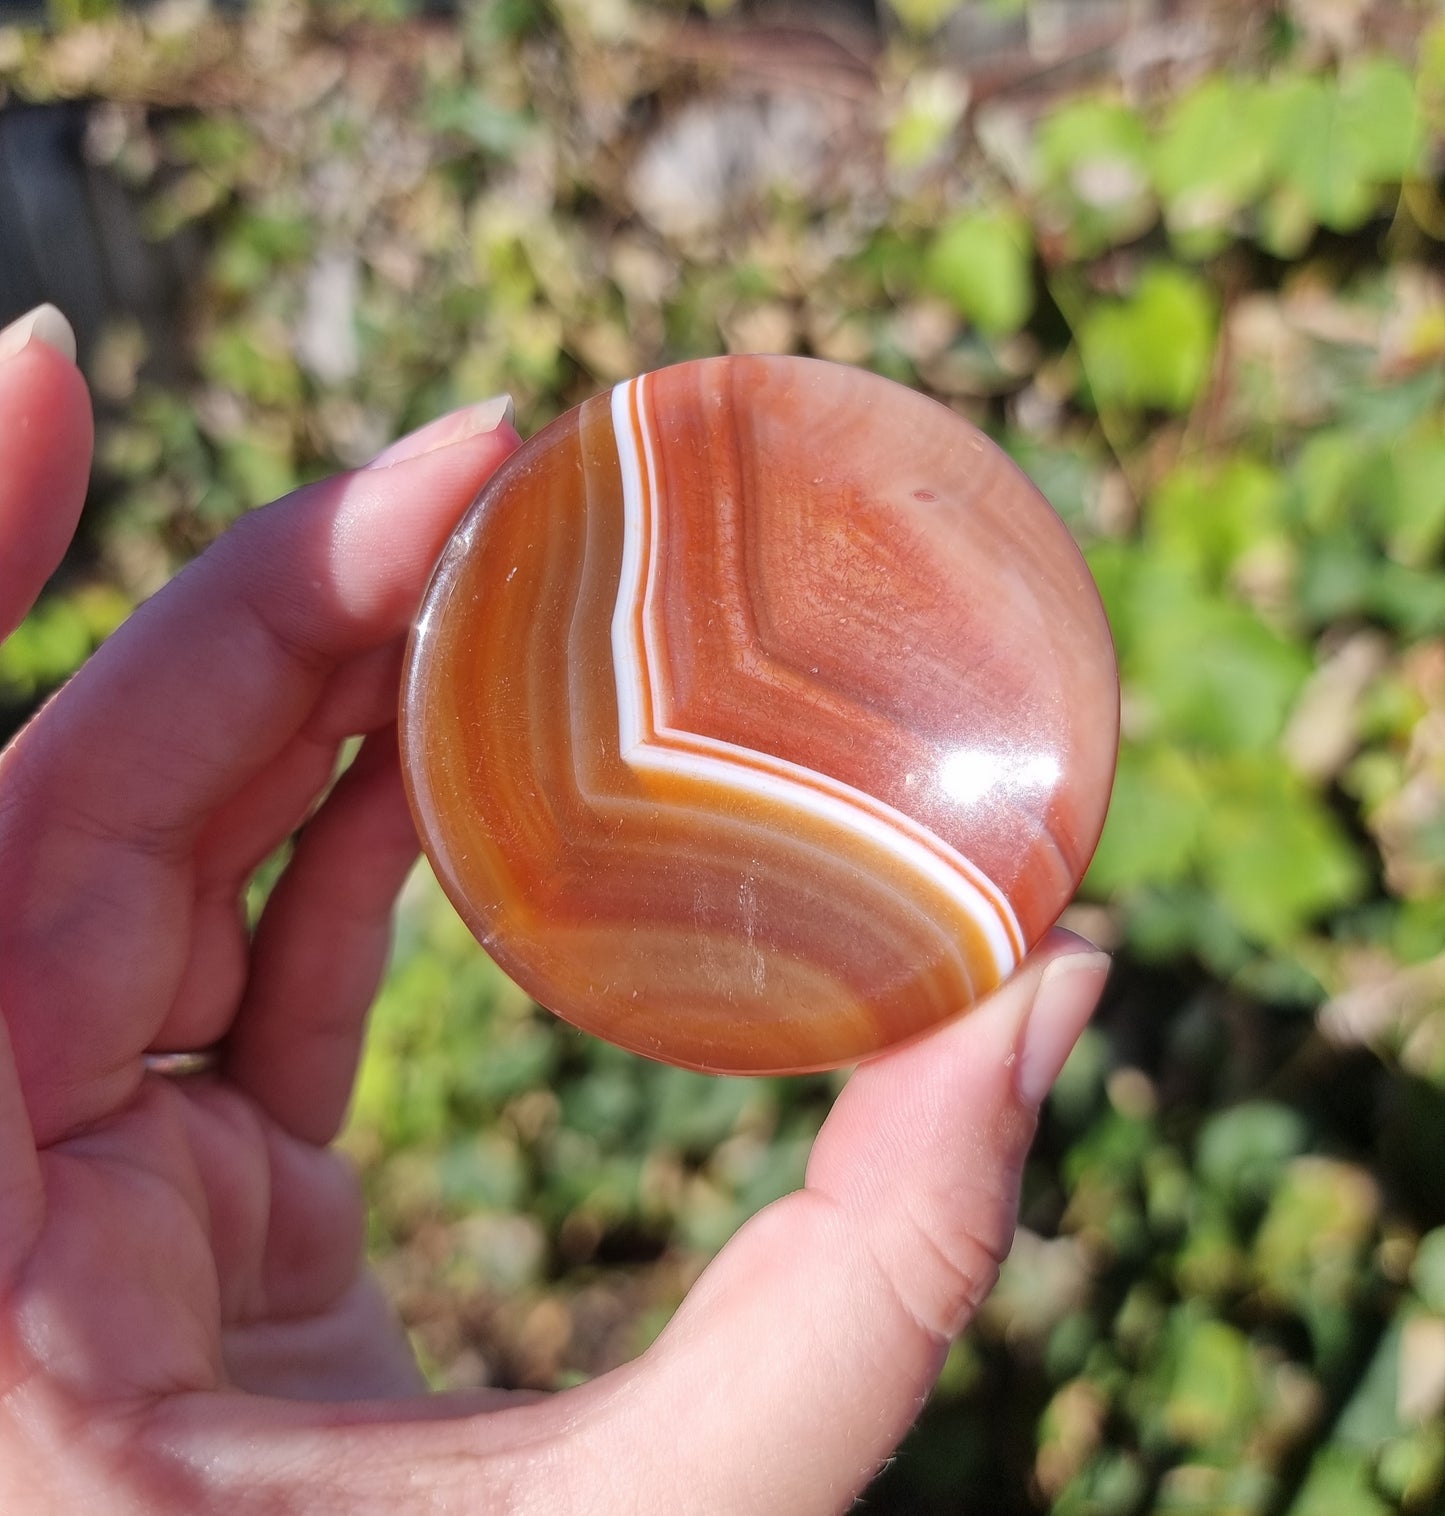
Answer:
x=186 y=1323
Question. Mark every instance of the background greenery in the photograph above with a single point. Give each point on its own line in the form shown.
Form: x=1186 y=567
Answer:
x=1184 y=262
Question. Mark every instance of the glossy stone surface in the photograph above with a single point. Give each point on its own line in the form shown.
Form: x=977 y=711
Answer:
x=760 y=715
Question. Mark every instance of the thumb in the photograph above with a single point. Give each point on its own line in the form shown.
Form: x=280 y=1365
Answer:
x=807 y=1349
x=46 y=435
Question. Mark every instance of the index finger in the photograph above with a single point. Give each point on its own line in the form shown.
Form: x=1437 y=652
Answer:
x=45 y=445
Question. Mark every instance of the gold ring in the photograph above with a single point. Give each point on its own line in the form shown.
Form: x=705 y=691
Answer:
x=183 y=1065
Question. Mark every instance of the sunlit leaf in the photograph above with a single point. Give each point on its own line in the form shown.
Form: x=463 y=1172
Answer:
x=1377 y=107
x=923 y=16
x=1212 y=158
x=1427 y=1273
x=1212 y=672
x=1159 y=806
x=1093 y=160
x=1214 y=1392
x=1153 y=349
x=983 y=263
x=1209 y=518
x=1338 y=141
x=1274 y=853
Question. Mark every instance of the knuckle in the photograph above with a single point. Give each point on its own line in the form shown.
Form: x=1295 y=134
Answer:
x=947 y=1251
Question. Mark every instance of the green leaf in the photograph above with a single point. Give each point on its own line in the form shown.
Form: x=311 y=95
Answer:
x=605 y=1104
x=982 y=262
x=1379 y=119
x=1325 y=476
x=483 y=1171
x=693 y=1112
x=1320 y=1225
x=1211 y=1264
x=1383 y=413
x=1371 y=1415
x=1113 y=1484
x=1314 y=156
x=1427 y=1273
x=1411 y=599
x=463 y=110
x=1068 y=475
x=1339 y=1484
x=1213 y=157
x=1430 y=82
x=1411 y=1469
x=1090 y=131
x=1241 y=1153
x=1078 y=1090
x=58 y=635
x=220 y=144
x=1153 y=349
x=1111 y=1152
x=1093 y=165
x=923 y=16
x=1155 y=817
x=1213 y=1394
x=256 y=246
x=1273 y=852
x=1179 y=921
x=260 y=469
x=254 y=364
x=1337 y=577
x=1408 y=495
x=1208 y=517
x=1340 y=140
x=1212 y=674
x=1201 y=1487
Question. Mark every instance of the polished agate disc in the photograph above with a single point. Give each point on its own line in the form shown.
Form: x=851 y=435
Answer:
x=760 y=715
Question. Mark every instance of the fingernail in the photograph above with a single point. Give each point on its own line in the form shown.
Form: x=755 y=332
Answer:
x=455 y=426
x=44 y=324
x=1068 y=992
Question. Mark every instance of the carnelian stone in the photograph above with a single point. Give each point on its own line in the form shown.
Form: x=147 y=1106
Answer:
x=760 y=715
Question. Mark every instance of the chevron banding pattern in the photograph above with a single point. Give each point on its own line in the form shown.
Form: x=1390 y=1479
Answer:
x=648 y=743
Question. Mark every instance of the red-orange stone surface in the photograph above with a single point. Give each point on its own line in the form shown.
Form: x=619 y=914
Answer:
x=760 y=715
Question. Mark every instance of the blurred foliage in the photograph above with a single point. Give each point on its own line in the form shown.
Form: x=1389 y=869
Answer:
x=1188 y=271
